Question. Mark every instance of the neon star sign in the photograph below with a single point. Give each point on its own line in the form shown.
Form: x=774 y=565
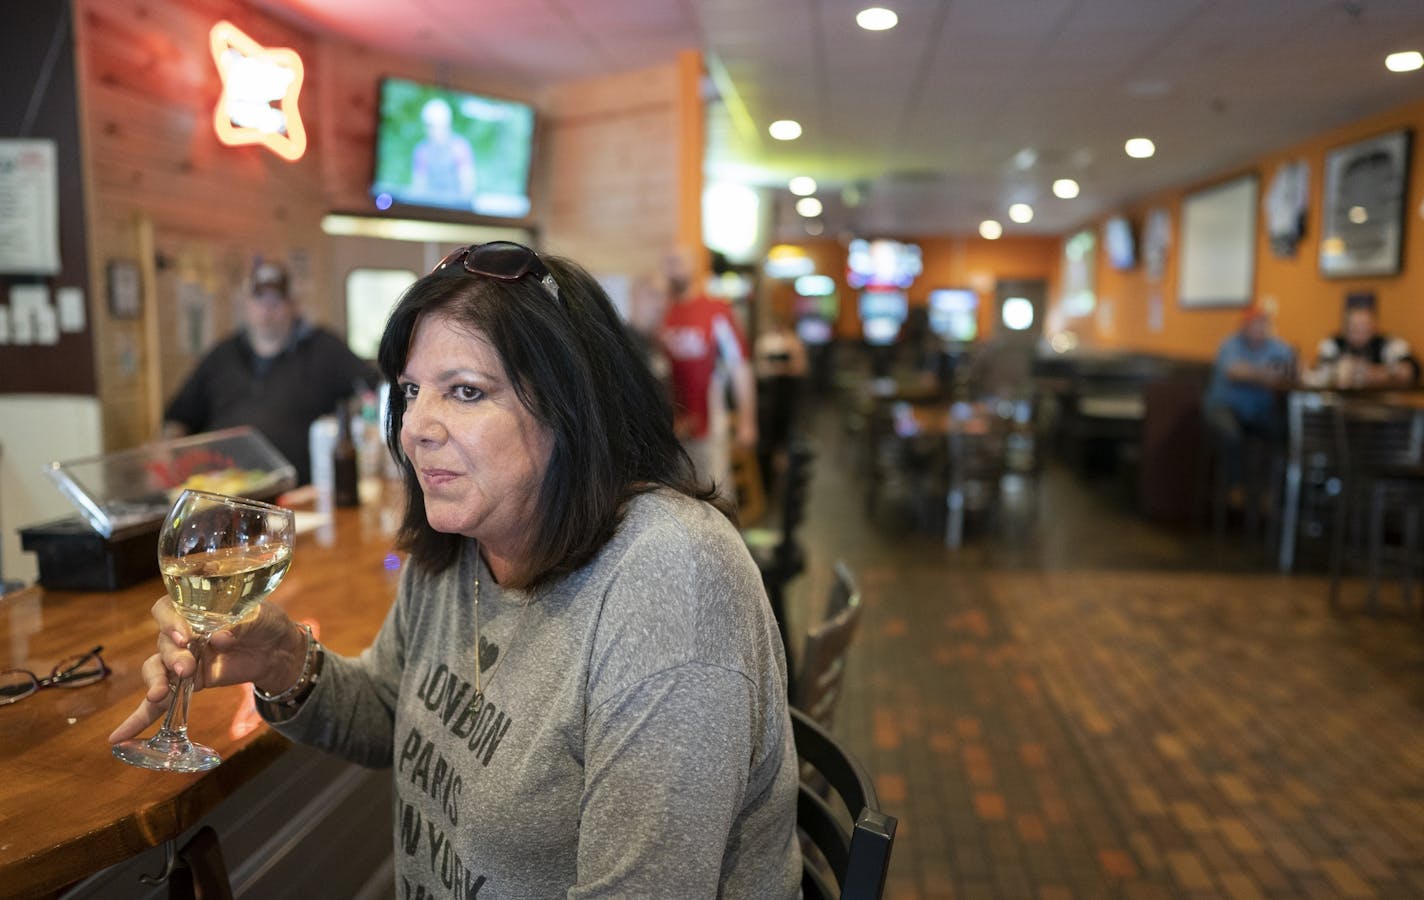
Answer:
x=259 y=96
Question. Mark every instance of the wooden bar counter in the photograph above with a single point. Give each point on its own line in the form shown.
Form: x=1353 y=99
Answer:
x=67 y=807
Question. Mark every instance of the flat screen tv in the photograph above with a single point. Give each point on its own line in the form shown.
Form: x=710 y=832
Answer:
x=881 y=315
x=954 y=314
x=449 y=149
x=882 y=264
x=1120 y=243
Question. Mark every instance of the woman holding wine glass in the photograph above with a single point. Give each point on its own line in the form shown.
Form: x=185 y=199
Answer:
x=580 y=687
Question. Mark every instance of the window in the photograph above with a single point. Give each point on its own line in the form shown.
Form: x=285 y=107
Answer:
x=370 y=296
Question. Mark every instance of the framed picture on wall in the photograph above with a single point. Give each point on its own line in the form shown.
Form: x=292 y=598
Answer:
x=1362 y=227
x=1217 y=265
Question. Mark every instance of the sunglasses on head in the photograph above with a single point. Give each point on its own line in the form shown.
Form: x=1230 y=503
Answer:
x=500 y=260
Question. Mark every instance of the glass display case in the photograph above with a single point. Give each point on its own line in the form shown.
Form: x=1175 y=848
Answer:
x=123 y=497
x=132 y=490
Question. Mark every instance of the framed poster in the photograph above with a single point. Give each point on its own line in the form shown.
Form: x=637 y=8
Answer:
x=1362 y=232
x=1217 y=266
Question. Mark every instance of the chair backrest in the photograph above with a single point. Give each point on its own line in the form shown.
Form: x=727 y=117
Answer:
x=818 y=684
x=859 y=856
x=1332 y=432
x=1315 y=430
x=1379 y=433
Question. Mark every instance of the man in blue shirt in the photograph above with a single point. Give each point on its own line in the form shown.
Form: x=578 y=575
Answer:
x=1241 y=400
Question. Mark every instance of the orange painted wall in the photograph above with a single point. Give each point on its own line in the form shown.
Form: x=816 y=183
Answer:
x=1308 y=303
x=948 y=262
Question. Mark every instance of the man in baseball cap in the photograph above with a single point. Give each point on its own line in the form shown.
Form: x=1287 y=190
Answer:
x=277 y=374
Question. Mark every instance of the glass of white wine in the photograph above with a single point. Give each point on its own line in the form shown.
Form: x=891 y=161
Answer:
x=219 y=557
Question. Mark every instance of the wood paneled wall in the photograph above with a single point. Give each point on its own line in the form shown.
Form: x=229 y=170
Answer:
x=612 y=197
x=608 y=190
x=164 y=193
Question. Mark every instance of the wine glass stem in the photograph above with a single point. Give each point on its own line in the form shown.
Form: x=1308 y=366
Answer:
x=175 y=721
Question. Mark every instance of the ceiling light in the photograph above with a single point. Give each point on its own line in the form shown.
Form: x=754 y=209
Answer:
x=1065 y=188
x=1148 y=87
x=876 y=18
x=1025 y=158
x=990 y=230
x=1139 y=148
x=802 y=185
x=814 y=228
x=1021 y=213
x=785 y=129
x=1404 y=61
x=808 y=207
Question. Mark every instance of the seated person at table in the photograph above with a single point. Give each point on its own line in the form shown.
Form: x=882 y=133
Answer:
x=1361 y=356
x=277 y=374
x=579 y=640
x=1240 y=400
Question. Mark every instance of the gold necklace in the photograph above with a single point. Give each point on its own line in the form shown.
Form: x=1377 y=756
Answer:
x=478 y=700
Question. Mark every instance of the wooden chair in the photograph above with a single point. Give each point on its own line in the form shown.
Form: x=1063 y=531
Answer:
x=818 y=681
x=857 y=858
x=202 y=872
x=1382 y=459
x=1314 y=475
x=974 y=473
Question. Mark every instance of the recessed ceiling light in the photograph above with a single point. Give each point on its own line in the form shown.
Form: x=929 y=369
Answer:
x=802 y=185
x=1025 y=158
x=1139 y=148
x=1404 y=61
x=1065 y=188
x=1148 y=87
x=808 y=207
x=785 y=129
x=876 y=18
x=990 y=230
x=1021 y=213
x=814 y=228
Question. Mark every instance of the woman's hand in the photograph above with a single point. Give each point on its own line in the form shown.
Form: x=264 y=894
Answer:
x=266 y=649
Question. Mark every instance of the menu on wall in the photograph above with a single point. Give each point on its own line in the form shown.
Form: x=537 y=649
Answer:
x=29 y=207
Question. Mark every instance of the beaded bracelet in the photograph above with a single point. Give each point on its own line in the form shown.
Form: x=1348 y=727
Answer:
x=310 y=672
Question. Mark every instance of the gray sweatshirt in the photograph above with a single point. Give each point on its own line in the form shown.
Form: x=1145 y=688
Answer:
x=633 y=740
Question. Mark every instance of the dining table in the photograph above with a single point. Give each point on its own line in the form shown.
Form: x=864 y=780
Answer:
x=964 y=442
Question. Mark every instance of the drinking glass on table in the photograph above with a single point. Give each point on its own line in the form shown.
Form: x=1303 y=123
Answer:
x=219 y=557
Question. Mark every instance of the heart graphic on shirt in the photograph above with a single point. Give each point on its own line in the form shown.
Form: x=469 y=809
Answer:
x=489 y=652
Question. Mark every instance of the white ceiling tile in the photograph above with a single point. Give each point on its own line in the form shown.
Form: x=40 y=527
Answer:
x=954 y=91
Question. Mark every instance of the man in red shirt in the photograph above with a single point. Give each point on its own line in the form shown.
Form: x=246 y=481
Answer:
x=707 y=349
